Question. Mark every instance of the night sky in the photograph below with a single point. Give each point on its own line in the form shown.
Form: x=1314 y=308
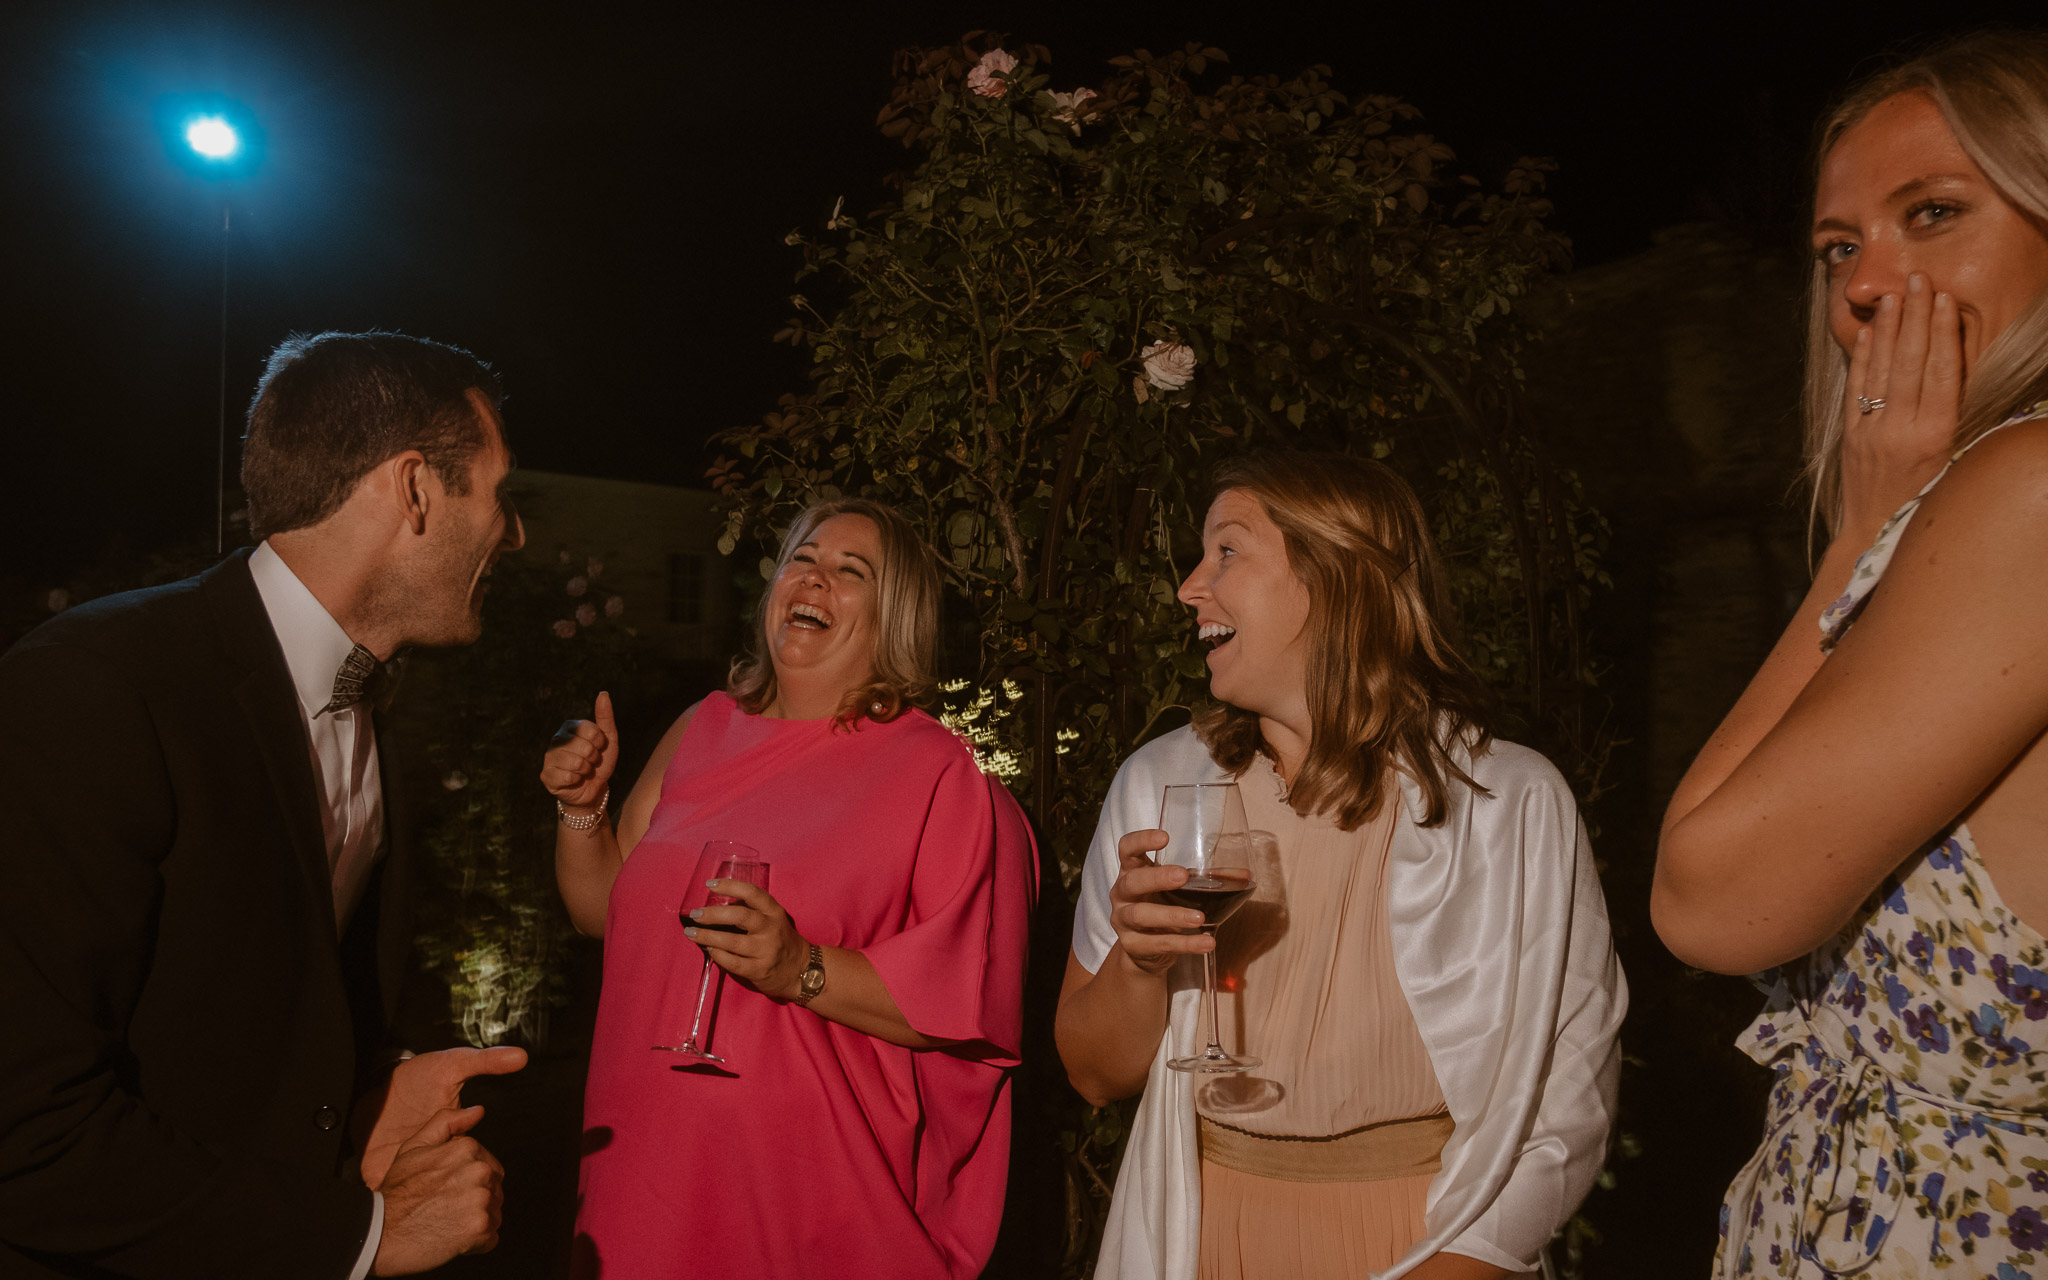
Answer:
x=594 y=197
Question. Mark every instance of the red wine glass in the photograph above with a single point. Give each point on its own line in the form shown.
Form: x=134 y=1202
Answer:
x=735 y=862
x=1206 y=832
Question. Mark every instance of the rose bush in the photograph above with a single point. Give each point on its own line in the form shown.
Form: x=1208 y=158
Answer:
x=1039 y=348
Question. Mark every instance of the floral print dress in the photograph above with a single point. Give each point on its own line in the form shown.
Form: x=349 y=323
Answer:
x=1907 y=1132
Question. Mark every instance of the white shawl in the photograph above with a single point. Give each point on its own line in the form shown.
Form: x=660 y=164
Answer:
x=1501 y=946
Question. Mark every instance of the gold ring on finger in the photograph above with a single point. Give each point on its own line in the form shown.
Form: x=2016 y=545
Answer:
x=1870 y=404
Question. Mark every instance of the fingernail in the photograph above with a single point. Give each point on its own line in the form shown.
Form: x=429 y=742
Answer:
x=690 y=933
x=711 y=884
x=1916 y=283
x=697 y=913
x=1888 y=301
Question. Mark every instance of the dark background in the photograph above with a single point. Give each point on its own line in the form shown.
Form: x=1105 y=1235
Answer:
x=594 y=198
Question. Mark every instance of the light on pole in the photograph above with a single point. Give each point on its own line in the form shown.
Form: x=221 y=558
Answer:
x=217 y=149
x=213 y=138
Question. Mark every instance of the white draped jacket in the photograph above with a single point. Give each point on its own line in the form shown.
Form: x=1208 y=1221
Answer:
x=1501 y=946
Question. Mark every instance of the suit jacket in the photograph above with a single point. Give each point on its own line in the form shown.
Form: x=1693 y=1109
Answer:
x=181 y=1035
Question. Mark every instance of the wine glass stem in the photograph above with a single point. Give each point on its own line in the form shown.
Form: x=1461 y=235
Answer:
x=1209 y=988
x=703 y=989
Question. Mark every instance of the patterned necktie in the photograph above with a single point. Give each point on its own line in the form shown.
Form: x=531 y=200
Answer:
x=362 y=679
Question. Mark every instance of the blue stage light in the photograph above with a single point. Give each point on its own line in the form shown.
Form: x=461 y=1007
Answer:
x=213 y=137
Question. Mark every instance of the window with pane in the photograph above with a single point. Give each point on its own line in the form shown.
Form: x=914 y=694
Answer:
x=685 y=588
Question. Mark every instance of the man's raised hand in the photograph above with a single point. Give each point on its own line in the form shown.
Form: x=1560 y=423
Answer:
x=419 y=1089
x=443 y=1196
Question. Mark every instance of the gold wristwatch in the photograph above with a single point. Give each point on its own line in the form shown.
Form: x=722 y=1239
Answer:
x=812 y=980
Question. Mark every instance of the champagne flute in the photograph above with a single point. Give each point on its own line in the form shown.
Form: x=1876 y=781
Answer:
x=735 y=862
x=1206 y=832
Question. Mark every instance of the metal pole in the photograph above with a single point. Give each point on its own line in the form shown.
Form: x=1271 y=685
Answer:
x=220 y=456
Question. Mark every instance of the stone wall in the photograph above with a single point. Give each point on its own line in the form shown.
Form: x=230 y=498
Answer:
x=1670 y=382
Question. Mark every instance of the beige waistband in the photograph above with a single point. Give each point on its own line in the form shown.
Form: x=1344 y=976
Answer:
x=1394 y=1149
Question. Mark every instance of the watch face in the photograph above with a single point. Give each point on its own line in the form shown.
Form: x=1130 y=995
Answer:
x=814 y=979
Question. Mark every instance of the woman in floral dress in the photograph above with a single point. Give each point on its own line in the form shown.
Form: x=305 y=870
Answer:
x=1868 y=829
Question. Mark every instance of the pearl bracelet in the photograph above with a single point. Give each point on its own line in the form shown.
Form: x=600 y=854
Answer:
x=583 y=821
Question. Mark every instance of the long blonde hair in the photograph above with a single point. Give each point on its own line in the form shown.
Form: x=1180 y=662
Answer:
x=1992 y=89
x=1388 y=688
x=906 y=620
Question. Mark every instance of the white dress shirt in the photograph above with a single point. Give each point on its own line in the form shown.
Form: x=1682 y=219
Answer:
x=343 y=747
x=343 y=744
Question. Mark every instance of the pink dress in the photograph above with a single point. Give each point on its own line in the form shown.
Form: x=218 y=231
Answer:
x=827 y=1152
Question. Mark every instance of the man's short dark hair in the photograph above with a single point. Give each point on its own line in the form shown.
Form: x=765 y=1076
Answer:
x=333 y=406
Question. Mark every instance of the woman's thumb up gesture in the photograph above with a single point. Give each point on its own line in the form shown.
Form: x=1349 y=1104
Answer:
x=578 y=766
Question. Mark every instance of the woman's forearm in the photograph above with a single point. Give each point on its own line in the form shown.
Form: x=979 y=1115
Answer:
x=1108 y=1026
x=586 y=864
x=856 y=997
x=1699 y=880
x=1786 y=670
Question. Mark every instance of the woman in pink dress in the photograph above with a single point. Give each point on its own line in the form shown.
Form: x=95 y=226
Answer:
x=862 y=1126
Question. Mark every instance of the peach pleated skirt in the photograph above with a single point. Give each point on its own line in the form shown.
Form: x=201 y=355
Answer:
x=1257 y=1228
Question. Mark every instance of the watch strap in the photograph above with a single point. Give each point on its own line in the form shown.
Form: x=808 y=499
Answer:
x=805 y=991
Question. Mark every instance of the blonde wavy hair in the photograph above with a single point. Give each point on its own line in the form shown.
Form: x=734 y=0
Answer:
x=1992 y=89
x=906 y=620
x=1388 y=688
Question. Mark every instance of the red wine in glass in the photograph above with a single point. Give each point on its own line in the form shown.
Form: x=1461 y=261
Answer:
x=1215 y=896
x=735 y=862
x=1206 y=833
x=715 y=900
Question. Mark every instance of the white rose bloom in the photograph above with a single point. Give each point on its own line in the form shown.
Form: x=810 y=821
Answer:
x=1069 y=107
x=1169 y=365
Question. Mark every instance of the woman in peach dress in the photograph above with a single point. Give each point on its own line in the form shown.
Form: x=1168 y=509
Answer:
x=1424 y=966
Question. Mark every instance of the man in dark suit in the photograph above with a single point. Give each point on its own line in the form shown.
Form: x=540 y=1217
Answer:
x=203 y=899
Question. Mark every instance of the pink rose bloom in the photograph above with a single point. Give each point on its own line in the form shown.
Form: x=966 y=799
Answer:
x=984 y=78
x=578 y=585
x=565 y=629
x=614 y=606
x=586 y=614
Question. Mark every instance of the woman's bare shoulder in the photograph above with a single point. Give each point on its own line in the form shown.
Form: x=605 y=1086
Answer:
x=2000 y=484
